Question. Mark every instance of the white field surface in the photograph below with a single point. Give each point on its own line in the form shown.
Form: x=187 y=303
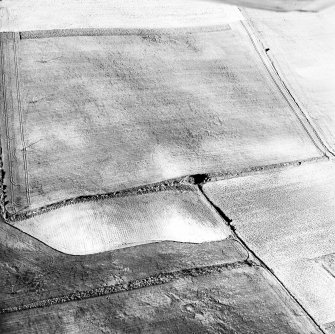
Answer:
x=281 y=5
x=105 y=225
x=22 y=15
x=95 y=114
x=287 y=217
x=302 y=47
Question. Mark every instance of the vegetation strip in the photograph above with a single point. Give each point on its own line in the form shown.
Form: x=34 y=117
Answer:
x=34 y=34
x=185 y=183
x=158 y=279
x=2 y=188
